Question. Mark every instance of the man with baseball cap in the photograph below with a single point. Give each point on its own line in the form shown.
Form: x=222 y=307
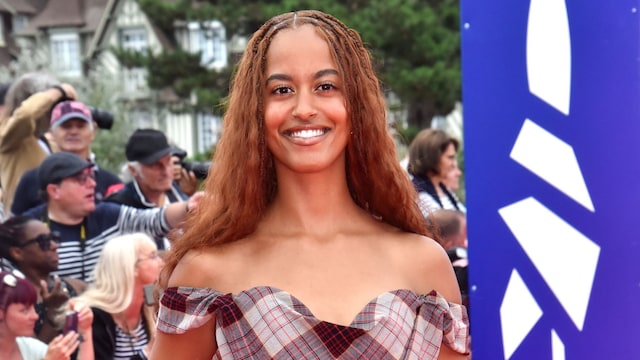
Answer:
x=68 y=185
x=72 y=130
x=149 y=162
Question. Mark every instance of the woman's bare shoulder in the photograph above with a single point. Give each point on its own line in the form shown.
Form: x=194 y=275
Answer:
x=197 y=268
x=427 y=264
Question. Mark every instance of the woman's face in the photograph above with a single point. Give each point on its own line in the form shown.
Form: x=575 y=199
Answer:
x=448 y=161
x=305 y=113
x=20 y=319
x=33 y=255
x=148 y=264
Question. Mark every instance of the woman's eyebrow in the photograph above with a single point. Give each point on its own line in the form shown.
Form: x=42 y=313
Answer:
x=318 y=74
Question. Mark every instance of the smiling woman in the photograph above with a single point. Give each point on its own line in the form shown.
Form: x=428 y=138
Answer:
x=31 y=248
x=307 y=189
x=17 y=318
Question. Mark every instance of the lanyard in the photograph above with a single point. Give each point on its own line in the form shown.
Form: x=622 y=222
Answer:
x=83 y=238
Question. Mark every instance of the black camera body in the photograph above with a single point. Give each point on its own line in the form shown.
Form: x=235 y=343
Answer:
x=103 y=118
x=200 y=169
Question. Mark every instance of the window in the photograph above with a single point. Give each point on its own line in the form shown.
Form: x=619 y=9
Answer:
x=209 y=38
x=65 y=53
x=134 y=79
x=209 y=127
x=134 y=39
x=20 y=22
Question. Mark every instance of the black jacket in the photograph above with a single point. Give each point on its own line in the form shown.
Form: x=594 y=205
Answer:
x=104 y=335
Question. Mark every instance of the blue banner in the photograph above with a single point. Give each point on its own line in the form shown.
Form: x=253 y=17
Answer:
x=551 y=98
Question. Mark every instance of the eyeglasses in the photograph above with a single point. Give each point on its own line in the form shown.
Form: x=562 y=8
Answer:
x=43 y=240
x=82 y=177
x=153 y=256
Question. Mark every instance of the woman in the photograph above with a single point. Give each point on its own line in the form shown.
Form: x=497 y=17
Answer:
x=31 y=248
x=17 y=318
x=311 y=232
x=124 y=325
x=432 y=161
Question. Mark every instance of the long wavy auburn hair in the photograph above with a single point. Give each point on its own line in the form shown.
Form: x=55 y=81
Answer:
x=242 y=182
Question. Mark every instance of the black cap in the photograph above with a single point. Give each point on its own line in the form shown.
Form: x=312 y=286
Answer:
x=59 y=166
x=147 y=146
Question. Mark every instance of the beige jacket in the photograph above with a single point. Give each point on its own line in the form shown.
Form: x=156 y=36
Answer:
x=19 y=147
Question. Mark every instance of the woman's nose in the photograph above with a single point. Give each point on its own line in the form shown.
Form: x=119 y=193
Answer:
x=304 y=108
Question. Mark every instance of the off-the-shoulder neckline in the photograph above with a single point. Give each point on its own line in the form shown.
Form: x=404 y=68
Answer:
x=262 y=289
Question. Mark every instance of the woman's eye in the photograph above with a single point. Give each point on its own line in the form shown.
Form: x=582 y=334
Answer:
x=326 y=87
x=280 y=90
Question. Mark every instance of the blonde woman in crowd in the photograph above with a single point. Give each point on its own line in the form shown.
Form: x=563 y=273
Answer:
x=124 y=325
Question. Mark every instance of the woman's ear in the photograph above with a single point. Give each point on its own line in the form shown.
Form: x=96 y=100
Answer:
x=16 y=253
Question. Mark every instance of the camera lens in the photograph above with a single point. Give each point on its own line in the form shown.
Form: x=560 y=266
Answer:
x=103 y=118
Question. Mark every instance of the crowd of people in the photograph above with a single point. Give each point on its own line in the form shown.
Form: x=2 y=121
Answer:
x=306 y=243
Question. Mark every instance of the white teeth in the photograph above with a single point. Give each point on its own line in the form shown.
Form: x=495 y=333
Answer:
x=305 y=134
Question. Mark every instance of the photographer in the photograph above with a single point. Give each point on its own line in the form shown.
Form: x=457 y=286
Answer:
x=149 y=162
x=183 y=175
x=73 y=129
x=23 y=126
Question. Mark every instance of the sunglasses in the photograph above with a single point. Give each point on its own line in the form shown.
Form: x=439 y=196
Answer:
x=43 y=240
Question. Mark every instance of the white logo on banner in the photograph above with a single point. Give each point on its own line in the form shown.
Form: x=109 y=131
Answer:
x=545 y=237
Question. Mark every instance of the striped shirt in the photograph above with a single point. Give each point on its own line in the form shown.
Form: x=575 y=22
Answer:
x=428 y=204
x=130 y=346
x=82 y=243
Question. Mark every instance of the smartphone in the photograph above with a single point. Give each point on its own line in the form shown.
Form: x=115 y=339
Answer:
x=70 y=322
x=149 y=299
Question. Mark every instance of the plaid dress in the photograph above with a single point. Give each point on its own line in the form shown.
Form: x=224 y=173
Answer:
x=268 y=323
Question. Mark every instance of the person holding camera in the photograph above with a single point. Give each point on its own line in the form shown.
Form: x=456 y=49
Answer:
x=73 y=129
x=23 y=126
x=185 y=179
x=149 y=162
x=124 y=314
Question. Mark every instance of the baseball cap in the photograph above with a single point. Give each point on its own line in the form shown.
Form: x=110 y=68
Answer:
x=59 y=166
x=147 y=146
x=69 y=109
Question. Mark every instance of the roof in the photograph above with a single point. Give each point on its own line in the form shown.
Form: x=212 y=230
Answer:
x=107 y=24
x=85 y=14
x=29 y=7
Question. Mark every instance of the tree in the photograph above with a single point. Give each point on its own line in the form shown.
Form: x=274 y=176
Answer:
x=415 y=43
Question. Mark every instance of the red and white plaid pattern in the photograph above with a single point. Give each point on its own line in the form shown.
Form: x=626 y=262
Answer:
x=268 y=323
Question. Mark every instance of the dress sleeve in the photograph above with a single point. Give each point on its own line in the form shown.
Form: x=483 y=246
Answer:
x=184 y=308
x=449 y=318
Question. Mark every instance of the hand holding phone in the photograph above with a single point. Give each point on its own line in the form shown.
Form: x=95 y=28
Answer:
x=70 y=322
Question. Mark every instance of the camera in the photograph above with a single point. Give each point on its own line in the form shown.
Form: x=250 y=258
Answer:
x=103 y=118
x=200 y=169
